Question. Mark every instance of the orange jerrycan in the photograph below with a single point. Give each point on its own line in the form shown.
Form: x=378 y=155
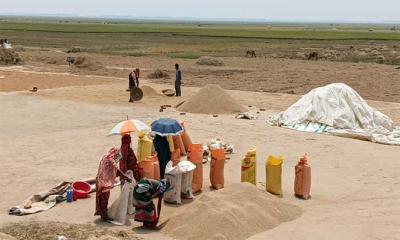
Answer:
x=185 y=137
x=302 y=181
x=156 y=166
x=178 y=143
x=195 y=155
x=217 y=168
x=145 y=146
x=147 y=167
x=249 y=164
x=273 y=167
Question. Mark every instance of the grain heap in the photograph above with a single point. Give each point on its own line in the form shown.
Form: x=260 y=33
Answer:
x=149 y=91
x=212 y=99
x=236 y=212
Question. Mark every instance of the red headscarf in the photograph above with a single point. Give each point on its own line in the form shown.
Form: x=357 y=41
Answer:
x=107 y=171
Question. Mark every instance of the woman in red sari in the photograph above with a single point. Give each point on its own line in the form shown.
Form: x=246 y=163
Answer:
x=129 y=160
x=105 y=179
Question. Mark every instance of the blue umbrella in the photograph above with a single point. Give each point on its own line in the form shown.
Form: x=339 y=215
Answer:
x=166 y=127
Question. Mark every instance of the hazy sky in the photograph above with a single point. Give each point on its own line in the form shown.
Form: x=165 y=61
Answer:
x=292 y=10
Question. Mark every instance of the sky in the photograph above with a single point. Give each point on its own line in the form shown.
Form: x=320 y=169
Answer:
x=271 y=10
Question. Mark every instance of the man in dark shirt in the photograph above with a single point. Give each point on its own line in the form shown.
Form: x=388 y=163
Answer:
x=178 y=80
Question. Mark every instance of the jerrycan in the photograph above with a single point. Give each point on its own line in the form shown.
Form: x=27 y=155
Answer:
x=302 y=180
x=249 y=164
x=145 y=146
x=147 y=168
x=273 y=167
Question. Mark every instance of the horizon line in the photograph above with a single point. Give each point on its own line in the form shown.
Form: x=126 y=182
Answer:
x=197 y=19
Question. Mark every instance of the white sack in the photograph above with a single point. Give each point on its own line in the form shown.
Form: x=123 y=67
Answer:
x=174 y=176
x=187 y=169
x=123 y=205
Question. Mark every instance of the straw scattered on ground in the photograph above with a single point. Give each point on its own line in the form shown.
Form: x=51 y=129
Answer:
x=158 y=74
x=210 y=61
x=236 y=212
x=86 y=62
x=51 y=230
x=212 y=99
x=9 y=57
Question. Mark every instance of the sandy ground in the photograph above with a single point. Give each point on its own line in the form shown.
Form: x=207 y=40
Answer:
x=60 y=134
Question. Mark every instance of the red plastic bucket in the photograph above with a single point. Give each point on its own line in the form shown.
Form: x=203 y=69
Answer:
x=81 y=189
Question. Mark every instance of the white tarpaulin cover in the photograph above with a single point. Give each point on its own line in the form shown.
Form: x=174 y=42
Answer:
x=337 y=109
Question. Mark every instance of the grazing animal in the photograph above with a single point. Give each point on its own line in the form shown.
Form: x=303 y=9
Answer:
x=313 y=56
x=251 y=53
x=70 y=60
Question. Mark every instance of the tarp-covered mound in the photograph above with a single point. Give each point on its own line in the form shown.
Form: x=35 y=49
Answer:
x=337 y=109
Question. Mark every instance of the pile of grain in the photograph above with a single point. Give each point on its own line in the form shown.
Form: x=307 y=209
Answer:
x=236 y=212
x=210 y=61
x=9 y=56
x=157 y=74
x=149 y=91
x=212 y=99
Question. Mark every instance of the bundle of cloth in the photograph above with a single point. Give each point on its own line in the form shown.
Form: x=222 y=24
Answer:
x=46 y=199
x=339 y=110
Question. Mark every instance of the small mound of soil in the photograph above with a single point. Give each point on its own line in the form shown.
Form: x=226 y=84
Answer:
x=157 y=74
x=9 y=57
x=210 y=61
x=235 y=212
x=149 y=91
x=51 y=230
x=212 y=99
x=168 y=92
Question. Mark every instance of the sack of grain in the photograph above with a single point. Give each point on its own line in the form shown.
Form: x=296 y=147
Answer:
x=187 y=169
x=217 y=168
x=249 y=164
x=195 y=155
x=273 y=167
x=174 y=176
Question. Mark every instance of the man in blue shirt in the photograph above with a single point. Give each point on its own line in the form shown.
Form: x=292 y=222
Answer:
x=178 y=80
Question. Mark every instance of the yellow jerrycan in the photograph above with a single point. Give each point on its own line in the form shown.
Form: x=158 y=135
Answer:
x=145 y=147
x=249 y=171
x=273 y=167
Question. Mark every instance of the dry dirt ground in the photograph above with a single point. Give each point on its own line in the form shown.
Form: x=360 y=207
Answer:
x=373 y=81
x=59 y=133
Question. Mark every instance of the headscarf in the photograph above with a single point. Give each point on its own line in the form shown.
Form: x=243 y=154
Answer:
x=107 y=171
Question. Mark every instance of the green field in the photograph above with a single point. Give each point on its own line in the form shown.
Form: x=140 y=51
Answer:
x=191 y=40
x=258 y=31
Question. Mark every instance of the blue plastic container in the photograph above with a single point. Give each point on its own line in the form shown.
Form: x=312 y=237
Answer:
x=70 y=195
